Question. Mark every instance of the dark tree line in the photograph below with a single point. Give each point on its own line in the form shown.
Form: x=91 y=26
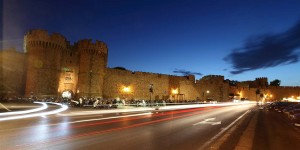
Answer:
x=275 y=82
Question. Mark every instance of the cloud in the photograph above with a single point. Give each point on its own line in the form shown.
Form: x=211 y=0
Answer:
x=266 y=51
x=185 y=73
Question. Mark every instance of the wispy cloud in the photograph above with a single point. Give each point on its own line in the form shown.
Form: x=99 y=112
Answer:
x=266 y=51
x=185 y=73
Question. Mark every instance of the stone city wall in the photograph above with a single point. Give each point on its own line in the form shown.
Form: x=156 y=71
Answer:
x=212 y=88
x=125 y=84
x=12 y=73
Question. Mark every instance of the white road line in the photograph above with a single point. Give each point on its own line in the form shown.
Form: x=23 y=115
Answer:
x=4 y=107
x=216 y=123
x=208 y=121
x=222 y=131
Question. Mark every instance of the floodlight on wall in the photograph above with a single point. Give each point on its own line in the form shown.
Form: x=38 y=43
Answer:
x=175 y=91
x=126 y=89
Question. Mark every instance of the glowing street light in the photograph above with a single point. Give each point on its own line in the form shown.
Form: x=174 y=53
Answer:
x=207 y=91
x=126 y=89
x=175 y=91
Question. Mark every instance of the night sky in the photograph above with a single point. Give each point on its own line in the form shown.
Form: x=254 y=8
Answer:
x=240 y=39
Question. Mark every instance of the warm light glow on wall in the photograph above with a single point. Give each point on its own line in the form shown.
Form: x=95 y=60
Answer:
x=126 y=89
x=241 y=94
x=174 y=91
x=207 y=91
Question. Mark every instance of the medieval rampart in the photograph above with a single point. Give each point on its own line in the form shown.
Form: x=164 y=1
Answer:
x=92 y=67
x=12 y=73
x=212 y=87
x=43 y=69
x=136 y=85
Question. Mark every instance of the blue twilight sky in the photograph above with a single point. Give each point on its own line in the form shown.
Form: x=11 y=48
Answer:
x=240 y=39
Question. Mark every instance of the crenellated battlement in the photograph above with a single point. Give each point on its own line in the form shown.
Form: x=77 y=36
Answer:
x=41 y=38
x=261 y=78
x=140 y=73
x=87 y=46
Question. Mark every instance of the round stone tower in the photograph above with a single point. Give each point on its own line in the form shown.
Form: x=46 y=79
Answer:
x=43 y=63
x=92 y=66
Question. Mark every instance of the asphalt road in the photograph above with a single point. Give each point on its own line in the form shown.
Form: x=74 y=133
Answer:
x=90 y=129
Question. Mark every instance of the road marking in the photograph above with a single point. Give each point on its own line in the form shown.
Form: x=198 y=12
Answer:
x=4 y=107
x=208 y=121
x=216 y=123
x=222 y=131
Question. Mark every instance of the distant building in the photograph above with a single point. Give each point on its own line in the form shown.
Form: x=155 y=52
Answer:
x=50 y=67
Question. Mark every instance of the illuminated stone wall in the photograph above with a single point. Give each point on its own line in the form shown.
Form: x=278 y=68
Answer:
x=138 y=83
x=69 y=71
x=213 y=88
x=93 y=61
x=12 y=76
x=44 y=58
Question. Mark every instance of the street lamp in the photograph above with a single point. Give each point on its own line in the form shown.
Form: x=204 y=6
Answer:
x=126 y=90
x=175 y=92
x=207 y=92
x=151 y=92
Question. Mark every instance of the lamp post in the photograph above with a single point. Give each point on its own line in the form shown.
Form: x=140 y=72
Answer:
x=175 y=92
x=207 y=92
x=126 y=91
x=151 y=92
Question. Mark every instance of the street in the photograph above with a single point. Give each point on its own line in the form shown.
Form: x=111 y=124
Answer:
x=76 y=128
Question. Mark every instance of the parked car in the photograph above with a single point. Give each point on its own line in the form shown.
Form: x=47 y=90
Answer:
x=296 y=119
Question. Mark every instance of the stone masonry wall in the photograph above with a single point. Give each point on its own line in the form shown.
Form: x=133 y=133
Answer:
x=12 y=76
x=138 y=83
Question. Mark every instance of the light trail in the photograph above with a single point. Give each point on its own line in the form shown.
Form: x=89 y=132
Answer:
x=177 y=107
x=26 y=111
x=63 y=108
x=4 y=107
x=205 y=105
x=88 y=134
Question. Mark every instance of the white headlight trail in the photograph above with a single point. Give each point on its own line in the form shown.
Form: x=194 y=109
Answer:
x=63 y=108
x=44 y=106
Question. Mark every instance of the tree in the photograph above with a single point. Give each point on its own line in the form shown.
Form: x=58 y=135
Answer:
x=233 y=82
x=257 y=92
x=120 y=68
x=275 y=82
